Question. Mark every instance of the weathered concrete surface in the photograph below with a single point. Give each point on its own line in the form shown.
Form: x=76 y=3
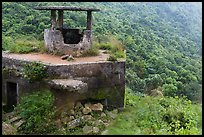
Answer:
x=105 y=80
x=69 y=85
x=54 y=42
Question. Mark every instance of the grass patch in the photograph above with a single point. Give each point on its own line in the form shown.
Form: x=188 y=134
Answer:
x=112 y=58
x=112 y=45
x=22 y=44
x=163 y=116
x=91 y=52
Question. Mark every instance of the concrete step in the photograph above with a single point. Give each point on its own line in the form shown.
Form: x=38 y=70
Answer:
x=14 y=119
x=19 y=123
x=69 y=85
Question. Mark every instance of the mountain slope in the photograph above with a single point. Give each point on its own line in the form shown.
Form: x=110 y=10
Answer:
x=162 y=40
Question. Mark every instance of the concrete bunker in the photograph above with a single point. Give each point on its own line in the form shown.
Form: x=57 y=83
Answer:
x=59 y=39
x=85 y=78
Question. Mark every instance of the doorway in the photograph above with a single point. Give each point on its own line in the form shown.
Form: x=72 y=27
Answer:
x=11 y=96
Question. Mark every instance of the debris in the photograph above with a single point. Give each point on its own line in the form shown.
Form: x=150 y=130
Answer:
x=95 y=107
x=87 y=129
x=95 y=130
x=86 y=110
x=74 y=123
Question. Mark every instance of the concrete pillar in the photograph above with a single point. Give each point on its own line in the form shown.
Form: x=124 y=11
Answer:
x=89 y=20
x=60 y=19
x=53 y=19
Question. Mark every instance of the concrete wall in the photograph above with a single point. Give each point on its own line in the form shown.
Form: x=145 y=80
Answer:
x=106 y=80
x=54 y=42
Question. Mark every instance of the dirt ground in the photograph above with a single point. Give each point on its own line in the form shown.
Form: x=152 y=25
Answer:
x=53 y=59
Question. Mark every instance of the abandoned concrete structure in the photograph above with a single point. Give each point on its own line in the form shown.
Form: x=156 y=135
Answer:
x=65 y=40
x=88 y=78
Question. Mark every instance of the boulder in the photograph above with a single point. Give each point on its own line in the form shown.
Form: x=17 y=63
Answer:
x=78 y=106
x=71 y=112
x=95 y=107
x=103 y=114
x=87 y=117
x=98 y=122
x=74 y=123
x=87 y=129
x=86 y=110
x=96 y=130
x=71 y=118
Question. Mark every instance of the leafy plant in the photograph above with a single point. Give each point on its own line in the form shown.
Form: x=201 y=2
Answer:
x=112 y=58
x=38 y=112
x=34 y=71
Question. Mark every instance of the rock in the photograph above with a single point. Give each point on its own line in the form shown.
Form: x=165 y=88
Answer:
x=95 y=130
x=67 y=57
x=112 y=114
x=8 y=129
x=65 y=120
x=106 y=124
x=70 y=58
x=14 y=119
x=71 y=118
x=19 y=123
x=105 y=132
x=103 y=114
x=78 y=105
x=87 y=105
x=64 y=57
x=87 y=129
x=74 y=123
x=78 y=114
x=87 y=117
x=86 y=110
x=71 y=112
x=95 y=107
x=98 y=122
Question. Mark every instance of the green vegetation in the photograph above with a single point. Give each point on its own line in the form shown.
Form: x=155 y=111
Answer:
x=113 y=46
x=157 y=116
x=23 y=44
x=34 y=71
x=163 y=47
x=112 y=58
x=159 y=38
x=91 y=52
x=38 y=112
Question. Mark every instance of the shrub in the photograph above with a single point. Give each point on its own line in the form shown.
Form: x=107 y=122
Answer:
x=90 y=52
x=38 y=112
x=112 y=58
x=6 y=42
x=154 y=115
x=23 y=44
x=34 y=71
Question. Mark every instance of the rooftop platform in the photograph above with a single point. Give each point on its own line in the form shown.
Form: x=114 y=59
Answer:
x=65 y=8
x=56 y=60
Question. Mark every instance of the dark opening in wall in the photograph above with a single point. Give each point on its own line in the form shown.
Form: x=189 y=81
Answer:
x=11 y=94
x=72 y=36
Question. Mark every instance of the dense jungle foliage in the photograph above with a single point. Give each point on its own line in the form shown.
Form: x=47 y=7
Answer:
x=162 y=40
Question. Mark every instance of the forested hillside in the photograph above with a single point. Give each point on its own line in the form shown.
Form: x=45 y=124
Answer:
x=162 y=40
